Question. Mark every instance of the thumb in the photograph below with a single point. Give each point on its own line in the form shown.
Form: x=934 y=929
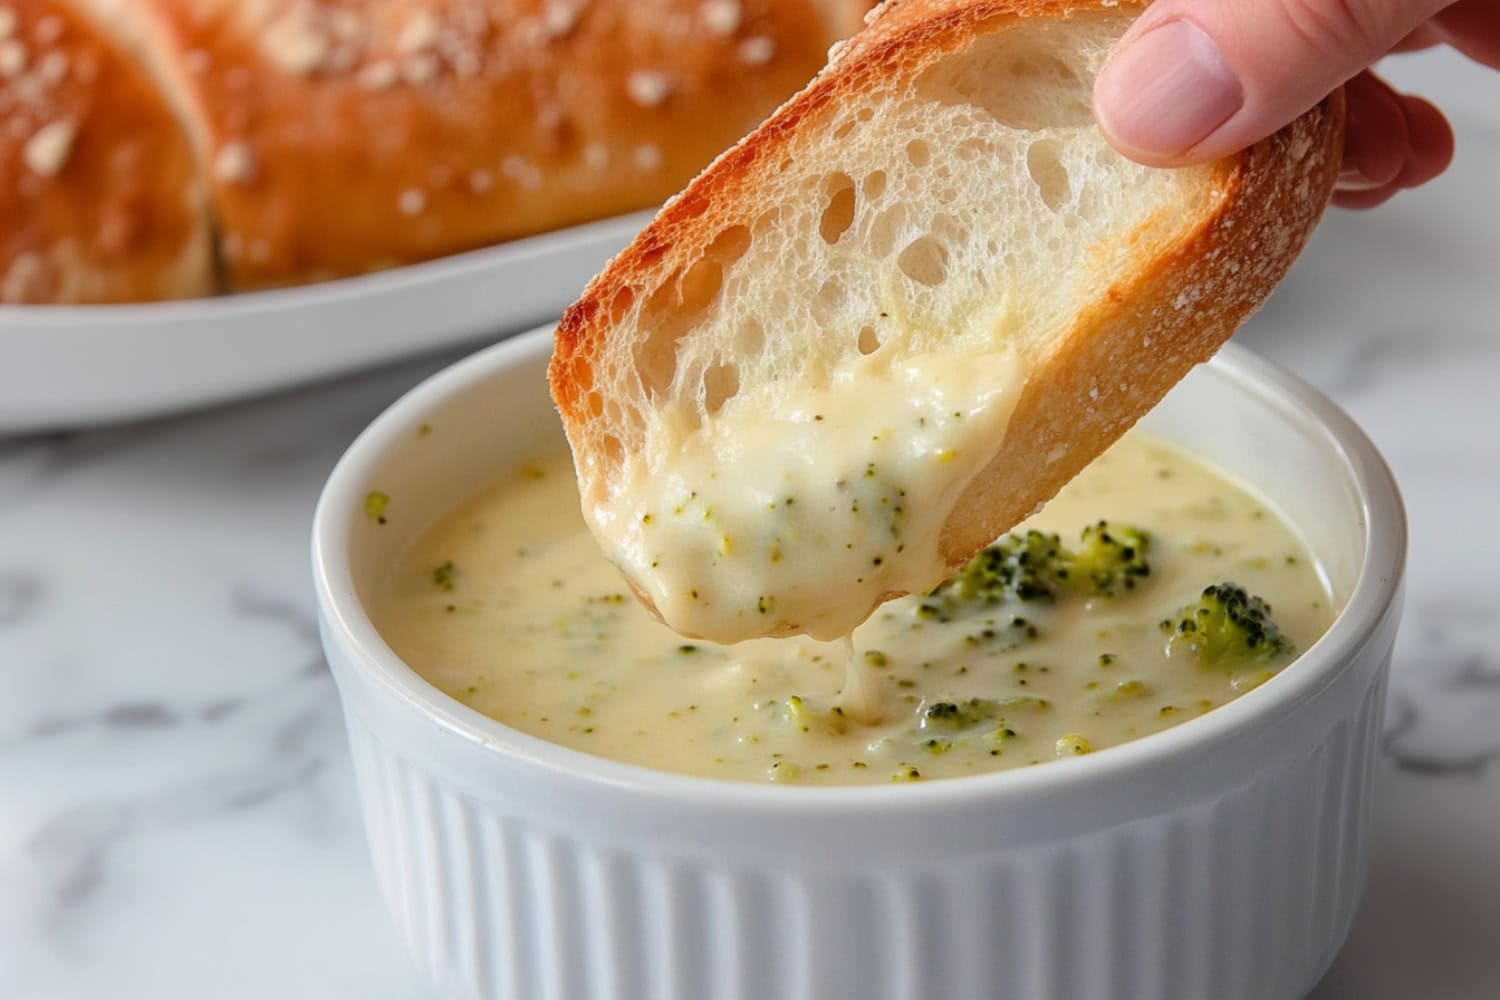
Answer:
x=1194 y=80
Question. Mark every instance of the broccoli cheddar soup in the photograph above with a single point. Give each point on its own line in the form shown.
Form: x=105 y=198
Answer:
x=1150 y=591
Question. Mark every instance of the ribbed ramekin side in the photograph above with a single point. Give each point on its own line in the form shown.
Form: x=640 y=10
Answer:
x=1243 y=896
x=1246 y=896
x=372 y=760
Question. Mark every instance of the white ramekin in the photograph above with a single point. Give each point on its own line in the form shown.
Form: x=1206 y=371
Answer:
x=1220 y=859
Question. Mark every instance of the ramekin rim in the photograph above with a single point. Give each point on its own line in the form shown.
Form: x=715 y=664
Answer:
x=1376 y=588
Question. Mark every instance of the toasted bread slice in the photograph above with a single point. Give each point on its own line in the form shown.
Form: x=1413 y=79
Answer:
x=934 y=229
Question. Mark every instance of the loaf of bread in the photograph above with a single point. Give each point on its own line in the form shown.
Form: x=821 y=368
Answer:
x=938 y=198
x=321 y=138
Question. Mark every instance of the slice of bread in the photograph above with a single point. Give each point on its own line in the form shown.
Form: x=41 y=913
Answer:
x=941 y=191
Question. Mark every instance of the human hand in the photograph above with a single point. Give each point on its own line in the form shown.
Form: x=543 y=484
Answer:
x=1194 y=80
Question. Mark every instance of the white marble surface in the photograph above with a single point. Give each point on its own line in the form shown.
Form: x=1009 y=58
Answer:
x=177 y=815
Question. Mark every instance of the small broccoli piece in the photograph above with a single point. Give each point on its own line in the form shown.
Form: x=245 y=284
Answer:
x=806 y=718
x=944 y=724
x=1111 y=559
x=798 y=714
x=783 y=770
x=955 y=716
x=1227 y=628
x=375 y=504
x=1029 y=567
x=443 y=576
x=1074 y=745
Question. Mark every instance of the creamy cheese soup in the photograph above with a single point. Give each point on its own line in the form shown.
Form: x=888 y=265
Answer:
x=1043 y=648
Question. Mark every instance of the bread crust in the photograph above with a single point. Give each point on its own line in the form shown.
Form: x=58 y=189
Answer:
x=99 y=191
x=1172 y=310
x=347 y=135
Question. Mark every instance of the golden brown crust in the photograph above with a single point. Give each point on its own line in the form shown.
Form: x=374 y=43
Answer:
x=345 y=135
x=98 y=188
x=1122 y=355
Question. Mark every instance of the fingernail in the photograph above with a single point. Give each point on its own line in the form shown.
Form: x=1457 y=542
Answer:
x=1167 y=90
x=1354 y=180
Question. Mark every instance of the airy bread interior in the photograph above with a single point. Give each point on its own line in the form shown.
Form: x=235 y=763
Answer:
x=936 y=211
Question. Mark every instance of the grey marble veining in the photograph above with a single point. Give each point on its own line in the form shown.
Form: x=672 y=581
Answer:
x=177 y=816
x=176 y=812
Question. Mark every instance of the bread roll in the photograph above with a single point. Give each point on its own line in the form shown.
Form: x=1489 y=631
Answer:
x=342 y=136
x=100 y=197
x=936 y=218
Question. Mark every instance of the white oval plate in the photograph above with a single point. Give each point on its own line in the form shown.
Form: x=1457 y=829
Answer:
x=72 y=366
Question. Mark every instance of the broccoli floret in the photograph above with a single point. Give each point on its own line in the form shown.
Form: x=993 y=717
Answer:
x=1227 y=628
x=1111 y=559
x=1035 y=566
x=1029 y=567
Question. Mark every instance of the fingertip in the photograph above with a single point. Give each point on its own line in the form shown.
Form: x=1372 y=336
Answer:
x=1376 y=141
x=1431 y=140
x=1426 y=136
x=1367 y=199
x=1124 y=145
x=1165 y=90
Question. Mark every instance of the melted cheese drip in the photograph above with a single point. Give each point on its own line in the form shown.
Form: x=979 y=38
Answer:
x=736 y=529
x=858 y=698
x=508 y=606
